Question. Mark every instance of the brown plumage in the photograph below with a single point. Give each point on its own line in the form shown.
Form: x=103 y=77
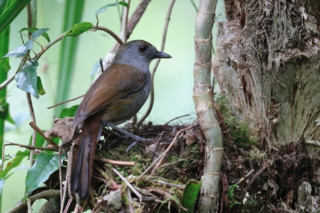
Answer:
x=116 y=96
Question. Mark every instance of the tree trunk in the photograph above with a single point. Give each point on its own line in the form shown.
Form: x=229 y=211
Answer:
x=269 y=68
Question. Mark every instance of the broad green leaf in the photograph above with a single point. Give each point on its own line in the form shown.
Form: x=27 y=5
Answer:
x=11 y=12
x=40 y=88
x=69 y=112
x=1 y=185
x=34 y=36
x=18 y=52
x=79 y=28
x=26 y=78
x=41 y=170
x=4 y=63
x=104 y=8
x=190 y=194
x=31 y=30
x=15 y=162
x=3 y=4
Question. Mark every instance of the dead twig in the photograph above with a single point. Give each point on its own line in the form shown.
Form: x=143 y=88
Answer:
x=73 y=99
x=115 y=162
x=130 y=202
x=128 y=184
x=158 y=161
x=245 y=177
x=37 y=129
x=44 y=194
x=255 y=176
x=176 y=118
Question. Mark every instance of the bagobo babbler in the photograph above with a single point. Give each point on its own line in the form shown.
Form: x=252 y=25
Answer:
x=115 y=97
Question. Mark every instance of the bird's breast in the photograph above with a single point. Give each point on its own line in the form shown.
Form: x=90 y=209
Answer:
x=125 y=108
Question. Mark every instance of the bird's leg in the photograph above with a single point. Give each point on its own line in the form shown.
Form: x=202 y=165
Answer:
x=135 y=137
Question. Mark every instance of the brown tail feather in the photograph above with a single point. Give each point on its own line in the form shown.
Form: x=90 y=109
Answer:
x=83 y=164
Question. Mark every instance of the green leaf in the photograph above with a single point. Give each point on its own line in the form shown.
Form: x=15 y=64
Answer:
x=69 y=112
x=190 y=194
x=44 y=166
x=104 y=8
x=34 y=36
x=39 y=140
x=14 y=163
x=123 y=3
x=18 y=52
x=4 y=63
x=1 y=185
x=11 y=12
x=31 y=30
x=3 y=4
x=40 y=88
x=79 y=28
x=26 y=78
x=4 y=112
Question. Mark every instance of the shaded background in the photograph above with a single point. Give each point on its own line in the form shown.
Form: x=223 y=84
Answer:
x=173 y=80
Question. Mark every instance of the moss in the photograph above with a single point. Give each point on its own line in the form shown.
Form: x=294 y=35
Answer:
x=238 y=130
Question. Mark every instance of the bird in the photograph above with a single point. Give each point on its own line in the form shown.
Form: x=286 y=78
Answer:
x=115 y=97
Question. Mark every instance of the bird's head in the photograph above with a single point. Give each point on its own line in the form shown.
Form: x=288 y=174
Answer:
x=138 y=52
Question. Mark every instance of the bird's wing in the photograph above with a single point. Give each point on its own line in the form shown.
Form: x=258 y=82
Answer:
x=117 y=82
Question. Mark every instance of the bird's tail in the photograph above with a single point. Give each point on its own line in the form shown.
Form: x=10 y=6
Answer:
x=84 y=158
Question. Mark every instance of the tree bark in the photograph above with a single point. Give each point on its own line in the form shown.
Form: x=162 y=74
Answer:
x=269 y=68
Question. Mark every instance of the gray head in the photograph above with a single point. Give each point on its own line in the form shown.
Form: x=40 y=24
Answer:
x=137 y=53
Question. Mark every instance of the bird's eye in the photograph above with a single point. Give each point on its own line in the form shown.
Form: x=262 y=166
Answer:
x=142 y=48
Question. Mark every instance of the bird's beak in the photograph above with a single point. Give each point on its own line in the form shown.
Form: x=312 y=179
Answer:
x=162 y=55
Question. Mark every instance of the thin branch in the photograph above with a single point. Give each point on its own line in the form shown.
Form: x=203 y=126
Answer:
x=60 y=37
x=39 y=54
x=114 y=162
x=245 y=177
x=128 y=184
x=153 y=72
x=37 y=129
x=6 y=82
x=194 y=5
x=33 y=118
x=130 y=202
x=29 y=147
x=158 y=161
x=31 y=23
x=73 y=99
x=132 y=23
x=176 y=118
x=44 y=194
x=123 y=34
x=109 y=32
x=118 y=9
x=136 y=16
